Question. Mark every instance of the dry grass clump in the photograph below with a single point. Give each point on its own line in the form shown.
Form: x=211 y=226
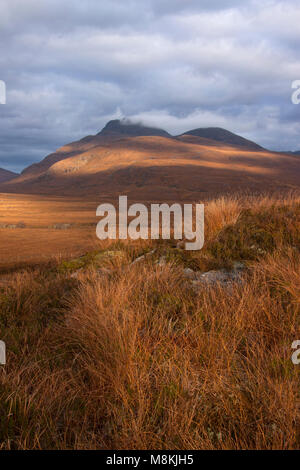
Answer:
x=139 y=360
x=220 y=213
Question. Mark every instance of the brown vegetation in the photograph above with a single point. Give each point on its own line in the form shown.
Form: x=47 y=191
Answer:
x=36 y=237
x=137 y=359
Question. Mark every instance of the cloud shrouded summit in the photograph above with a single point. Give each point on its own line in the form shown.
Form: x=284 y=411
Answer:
x=72 y=66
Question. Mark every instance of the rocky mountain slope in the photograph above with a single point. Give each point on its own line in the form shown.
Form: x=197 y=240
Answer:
x=149 y=164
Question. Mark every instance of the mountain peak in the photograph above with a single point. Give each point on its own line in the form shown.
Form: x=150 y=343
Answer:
x=219 y=134
x=125 y=127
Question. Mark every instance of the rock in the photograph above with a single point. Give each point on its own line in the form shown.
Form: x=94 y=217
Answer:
x=75 y=274
x=161 y=262
x=103 y=271
x=189 y=273
x=180 y=244
x=222 y=277
x=100 y=272
x=258 y=249
x=138 y=260
x=142 y=257
x=238 y=266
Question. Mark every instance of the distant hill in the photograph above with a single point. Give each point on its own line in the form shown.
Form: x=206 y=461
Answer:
x=290 y=152
x=226 y=137
x=147 y=163
x=6 y=175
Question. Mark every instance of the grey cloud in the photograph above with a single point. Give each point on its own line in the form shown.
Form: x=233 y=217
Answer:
x=172 y=6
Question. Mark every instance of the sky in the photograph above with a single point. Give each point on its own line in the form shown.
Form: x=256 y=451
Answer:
x=71 y=65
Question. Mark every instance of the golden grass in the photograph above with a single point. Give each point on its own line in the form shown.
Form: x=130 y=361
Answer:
x=38 y=241
x=139 y=360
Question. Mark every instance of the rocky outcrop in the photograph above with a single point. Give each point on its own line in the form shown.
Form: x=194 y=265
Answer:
x=223 y=277
x=199 y=279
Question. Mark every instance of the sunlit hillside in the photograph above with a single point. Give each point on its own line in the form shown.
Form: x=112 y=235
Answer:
x=159 y=166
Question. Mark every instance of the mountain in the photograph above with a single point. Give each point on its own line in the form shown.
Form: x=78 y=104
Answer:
x=290 y=152
x=126 y=128
x=218 y=134
x=6 y=175
x=149 y=164
x=114 y=130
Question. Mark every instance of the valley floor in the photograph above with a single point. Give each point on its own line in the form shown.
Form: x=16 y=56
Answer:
x=36 y=229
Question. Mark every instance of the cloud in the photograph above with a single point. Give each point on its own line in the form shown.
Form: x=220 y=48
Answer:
x=70 y=66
